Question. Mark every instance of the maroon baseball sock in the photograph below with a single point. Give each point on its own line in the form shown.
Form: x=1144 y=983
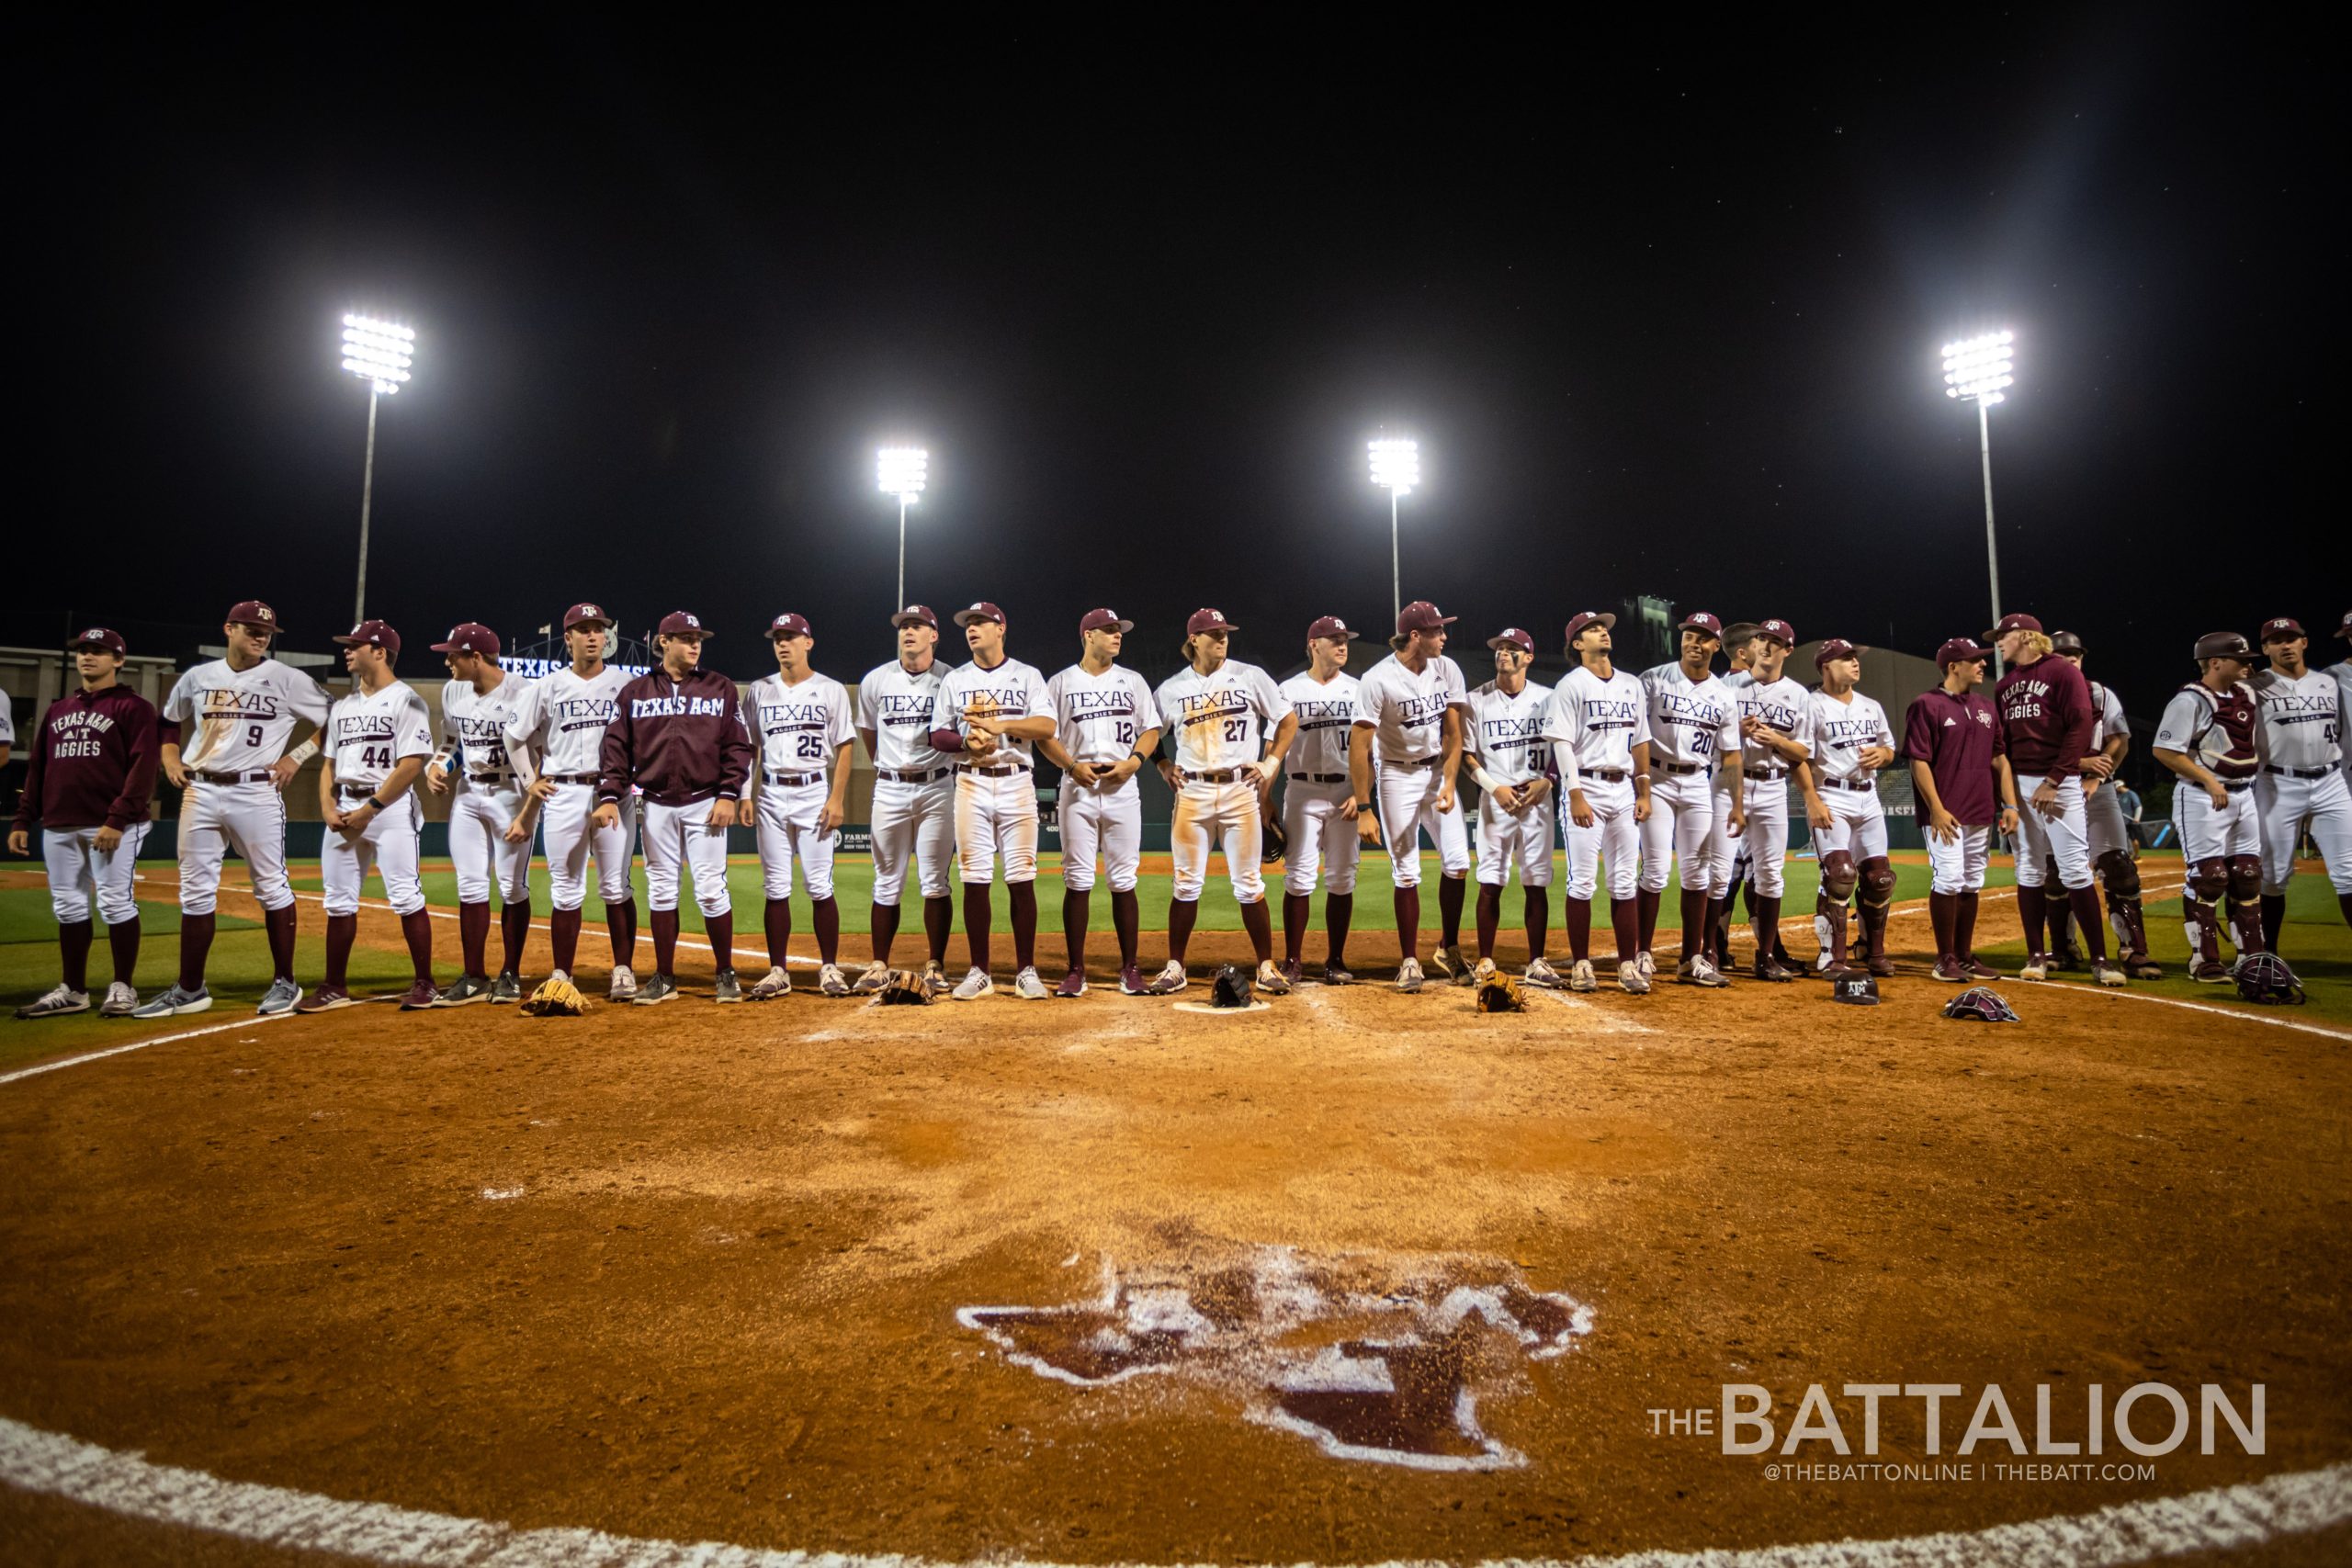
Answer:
x=2274 y=918
x=1297 y=910
x=1126 y=919
x=564 y=936
x=1182 y=913
x=1963 y=927
x=122 y=940
x=1261 y=927
x=665 y=943
x=1766 y=915
x=938 y=919
x=514 y=933
x=976 y=918
x=2032 y=909
x=196 y=943
x=1579 y=923
x=280 y=922
x=2084 y=902
x=1021 y=898
x=1942 y=913
x=342 y=932
x=1694 y=922
x=1450 y=890
x=1339 y=913
x=777 y=917
x=1538 y=918
x=2344 y=906
x=417 y=927
x=1716 y=937
x=720 y=931
x=1625 y=917
x=825 y=915
x=1075 y=906
x=620 y=926
x=1647 y=903
x=73 y=939
x=1409 y=921
x=473 y=937
x=1490 y=917
x=883 y=919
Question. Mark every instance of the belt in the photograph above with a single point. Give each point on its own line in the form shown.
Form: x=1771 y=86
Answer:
x=1763 y=775
x=356 y=789
x=490 y=780
x=1218 y=775
x=776 y=778
x=265 y=776
x=1320 y=778
x=2298 y=772
x=2234 y=785
x=571 y=778
x=1606 y=775
x=909 y=775
x=1685 y=769
x=1003 y=772
x=1859 y=786
x=1415 y=763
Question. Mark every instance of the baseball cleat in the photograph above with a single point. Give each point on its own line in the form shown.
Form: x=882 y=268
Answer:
x=280 y=998
x=1131 y=982
x=1581 y=977
x=935 y=977
x=1294 y=970
x=2108 y=973
x=832 y=981
x=652 y=993
x=1951 y=971
x=1703 y=973
x=1073 y=984
x=175 y=1001
x=1271 y=980
x=1880 y=965
x=2037 y=967
x=1978 y=969
x=507 y=990
x=1409 y=976
x=975 y=985
x=469 y=988
x=1168 y=981
x=1029 y=985
x=2210 y=972
x=1446 y=963
x=727 y=989
x=1631 y=978
x=1484 y=971
x=421 y=995
x=624 y=986
x=1837 y=970
x=2140 y=966
x=326 y=999
x=1768 y=967
x=1335 y=974
x=2065 y=958
x=1459 y=965
x=773 y=983
x=120 y=1002
x=1647 y=963
x=56 y=1003
x=872 y=978
x=1539 y=972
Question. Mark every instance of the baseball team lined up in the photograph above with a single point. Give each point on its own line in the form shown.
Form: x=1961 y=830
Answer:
x=1678 y=766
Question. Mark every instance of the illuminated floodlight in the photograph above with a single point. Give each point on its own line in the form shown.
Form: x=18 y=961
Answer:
x=1980 y=367
x=379 y=353
x=901 y=472
x=1396 y=464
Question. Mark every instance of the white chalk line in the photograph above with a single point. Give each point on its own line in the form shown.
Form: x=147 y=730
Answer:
x=2125 y=993
x=2223 y=1518
x=64 y=1062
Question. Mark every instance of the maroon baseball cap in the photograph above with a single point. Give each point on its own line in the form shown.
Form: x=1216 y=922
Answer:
x=1512 y=637
x=983 y=611
x=1331 y=625
x=2014 y=623
x=1420 y=615
x=2281 y=629
x=788 y=625
x=1961 y=651
x=1208 y=621
x=915 y=615
x=253 y=612
x=678 y=623
x=98 y=637
x=1585 y=618
x=586 y=616
x=1700 y=621
x=1835 y=648
x=1104 y=621
x=374 y=634
x=469 y=636
x=1779 y=631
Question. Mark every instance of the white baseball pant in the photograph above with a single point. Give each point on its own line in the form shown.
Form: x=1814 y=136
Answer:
x=791 y=825
x=79 y=871
x=1323 y=843
x=1958 y=865
x=1614 y=835
x=2103 y=817
x=1857 y=825
x=1681 y=826
x=917 y=823
x=2286 y=804
x=1226 y=815
x=388 y=844
x=478 y=850
x=567 y=823
x=2065 y=837
x=1763 y=846
x=1408 y=799
x=2208 y=832
x=1105 y=823
x=682 y=835
x=1523 y=836
x=996 y=815
x=250 y=816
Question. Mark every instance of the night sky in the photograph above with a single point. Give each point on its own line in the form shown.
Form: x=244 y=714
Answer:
x=1663 y=323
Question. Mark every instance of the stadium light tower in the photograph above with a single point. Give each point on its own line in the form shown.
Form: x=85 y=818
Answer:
x=901 y=472
x=1396 y=468
x=1977 y=370
x=379 y=353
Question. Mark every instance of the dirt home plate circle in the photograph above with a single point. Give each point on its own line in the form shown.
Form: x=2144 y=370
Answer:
x=1357 y=1278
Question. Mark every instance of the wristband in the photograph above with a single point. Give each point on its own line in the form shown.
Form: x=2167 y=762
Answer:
x=378 y=804
x=441 y=759
x=1363 y=805
x=304 y=752
x=1484 y=780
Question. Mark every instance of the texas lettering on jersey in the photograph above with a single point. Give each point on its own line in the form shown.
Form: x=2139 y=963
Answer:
x=1776 y=709
x=583 y=713
x=1702 y=716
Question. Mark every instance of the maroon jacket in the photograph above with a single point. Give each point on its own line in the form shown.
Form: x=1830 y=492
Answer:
x=93 y=763
x=679 y=742
x=2046 y=718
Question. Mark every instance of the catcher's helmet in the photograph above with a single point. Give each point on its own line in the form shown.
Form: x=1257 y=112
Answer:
x=1230 y=988
x=1981 y=1003
x=2265 y=978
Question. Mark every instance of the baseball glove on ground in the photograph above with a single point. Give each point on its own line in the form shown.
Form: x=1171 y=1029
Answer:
x=1501 y=995
x=556 y=998
x=1230 y=988
x=1275 y=843
x=905 y=990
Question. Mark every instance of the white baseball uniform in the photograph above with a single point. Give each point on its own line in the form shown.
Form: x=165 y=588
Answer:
x=1693 y=724
x=242 y=721
x=799 y=726
x=1406 y=712
x=2102 y=812
x=369 y=733
x=1842 y=728
x=914 y=792
x=556 y=731
x=996 y=799
x=1505 y=733
x=1218 y=724
x=2302 y=782
x=2343 y=676
x=486 y=795
x=1322 y=842
x=1728 y=854
x=1783 y=706
x=1098 y=719
x=2207 y=831
x=1597 y=724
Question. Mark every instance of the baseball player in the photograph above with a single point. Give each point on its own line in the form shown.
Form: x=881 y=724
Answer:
x=477 y=704
x=2342 y=670
x=1599 y=729
x=1776 y=742
x=378 y=741
x=2301 y=783
x=1220 y=714
x=1694 y=730
x=914 y=796
x=87 y=781
x=2113 y=850
x=2212 y=737
x=555 y=739
x=1319 y=804
x=678 y=737
x=800 y=799
x=1951 y=738
x=1105 y=724
x=2046 y=723
x=1728 y=851
x=1851 y=743
x=244 y=707
x=989 y=716
x=1406 y=744
x=1506 y=757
